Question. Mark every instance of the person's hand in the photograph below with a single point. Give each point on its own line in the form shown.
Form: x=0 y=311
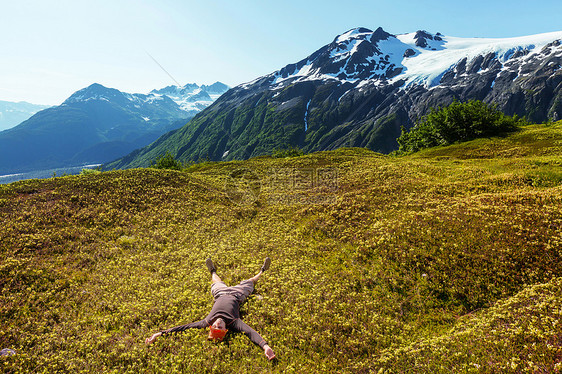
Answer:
x=152 y=338
x=268 y=352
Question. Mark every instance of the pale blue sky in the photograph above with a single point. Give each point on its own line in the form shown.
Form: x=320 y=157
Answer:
x=50 y=49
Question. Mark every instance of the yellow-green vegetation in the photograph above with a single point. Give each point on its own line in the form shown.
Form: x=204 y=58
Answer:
x=447 y=260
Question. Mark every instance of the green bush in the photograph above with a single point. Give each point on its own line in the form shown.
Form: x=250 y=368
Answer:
x=291 y=152
x=90 y=171
x=458 y=122
x=167 y=161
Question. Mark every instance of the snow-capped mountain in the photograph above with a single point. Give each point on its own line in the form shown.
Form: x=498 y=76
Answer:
x=418 y=58
x=12 y=114
x=98 y=124
x=148 y=107
x=362 y=87
x=189 y=99
x=193 y=97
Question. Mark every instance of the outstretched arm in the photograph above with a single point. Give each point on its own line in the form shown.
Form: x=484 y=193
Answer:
x=194 y=325
x=240 y=326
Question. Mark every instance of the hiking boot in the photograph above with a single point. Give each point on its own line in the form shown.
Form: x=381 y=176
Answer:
x=266 y=264
x=210 y=265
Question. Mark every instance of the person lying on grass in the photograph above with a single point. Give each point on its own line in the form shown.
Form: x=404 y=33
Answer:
x=225 y=314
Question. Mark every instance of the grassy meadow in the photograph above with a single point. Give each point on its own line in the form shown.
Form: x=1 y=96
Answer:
x=446 y=260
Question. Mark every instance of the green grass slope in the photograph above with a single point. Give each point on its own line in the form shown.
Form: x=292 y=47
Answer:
x=448 y=260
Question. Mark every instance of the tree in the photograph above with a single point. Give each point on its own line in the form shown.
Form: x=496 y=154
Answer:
x=290 y=152
x=167 y=161
x=458 y=122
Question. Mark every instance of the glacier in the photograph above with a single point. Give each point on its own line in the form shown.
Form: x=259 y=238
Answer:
x=418 y=58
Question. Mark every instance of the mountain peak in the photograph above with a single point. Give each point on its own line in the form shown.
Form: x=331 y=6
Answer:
x=352 y=56
x=93 y=91
x=363 y=33
x=216 y=88
x=356 y=33
x=419 y=57
x=380 y=34
x=96 y=88
x=176 y=90
x=192 y=97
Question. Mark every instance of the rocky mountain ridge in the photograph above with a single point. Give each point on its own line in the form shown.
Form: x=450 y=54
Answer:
x=190 y=98
x=193 y=97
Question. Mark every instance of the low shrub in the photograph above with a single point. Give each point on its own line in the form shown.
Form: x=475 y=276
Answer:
x=458 y=122
x=290 y=152
x=167 y=161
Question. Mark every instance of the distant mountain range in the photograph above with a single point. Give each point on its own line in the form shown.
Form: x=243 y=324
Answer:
x=12 y=114
x=99 y=124
x=359 y=89
x=191 y=97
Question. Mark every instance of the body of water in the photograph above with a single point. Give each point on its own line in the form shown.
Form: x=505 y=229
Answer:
x=42 y=174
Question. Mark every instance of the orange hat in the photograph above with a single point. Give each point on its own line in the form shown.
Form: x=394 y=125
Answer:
x=216 y=334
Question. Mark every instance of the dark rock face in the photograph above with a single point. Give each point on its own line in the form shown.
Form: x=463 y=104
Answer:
x=409 y=52
x=379 y=35
x=421 y=38
x=527 y=88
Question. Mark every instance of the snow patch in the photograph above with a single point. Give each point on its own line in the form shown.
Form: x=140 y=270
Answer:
x=347 y=50
x=10 y=175
x=305 y=71
x=354 y=33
